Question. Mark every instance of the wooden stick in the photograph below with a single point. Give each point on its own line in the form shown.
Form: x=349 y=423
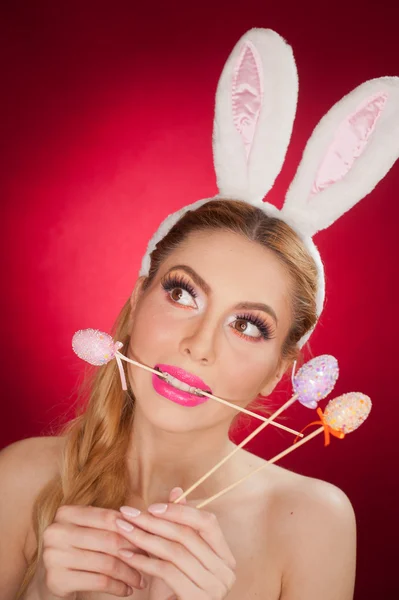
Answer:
x=226 y=458
x=239 y=408
x=266 y=420
x=269 y=462
x=134 y=362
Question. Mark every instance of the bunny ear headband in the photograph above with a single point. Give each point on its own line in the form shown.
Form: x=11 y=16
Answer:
x=350 y=151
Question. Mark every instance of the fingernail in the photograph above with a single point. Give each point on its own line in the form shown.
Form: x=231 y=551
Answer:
x=157 y=508
x=126 y=553
x=178 y=489
x=130 y=511
x=124 y=525
x=143 y=582
x=129 y=591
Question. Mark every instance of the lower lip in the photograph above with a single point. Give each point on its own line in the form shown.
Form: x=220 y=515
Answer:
x=171 y=393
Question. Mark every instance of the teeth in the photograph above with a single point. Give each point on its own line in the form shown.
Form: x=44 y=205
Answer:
x=181 y=386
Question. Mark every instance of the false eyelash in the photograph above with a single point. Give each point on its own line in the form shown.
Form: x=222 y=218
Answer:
x=178 y=281
x=264 y=328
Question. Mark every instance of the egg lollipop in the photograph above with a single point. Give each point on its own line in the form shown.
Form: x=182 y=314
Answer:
x=94 y=346
x=342 y=415
x=313 y=382
x=98 y=348
x=347 y=412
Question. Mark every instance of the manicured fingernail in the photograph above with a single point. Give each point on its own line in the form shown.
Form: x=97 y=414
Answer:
x=124 y=525
x=157 y=508
x=126 y=553
x=143 y=582
x=130 y=511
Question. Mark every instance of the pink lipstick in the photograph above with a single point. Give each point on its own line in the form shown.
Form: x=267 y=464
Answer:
x=169 y=391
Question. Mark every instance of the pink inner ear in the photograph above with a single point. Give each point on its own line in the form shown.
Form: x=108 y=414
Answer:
x=349 y=143
x=247 y=93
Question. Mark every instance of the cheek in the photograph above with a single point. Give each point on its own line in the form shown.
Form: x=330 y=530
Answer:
x=153 y=327
x=243 y=378
x=241 y=370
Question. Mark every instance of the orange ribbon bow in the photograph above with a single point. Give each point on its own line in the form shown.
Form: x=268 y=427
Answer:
x=327 y=429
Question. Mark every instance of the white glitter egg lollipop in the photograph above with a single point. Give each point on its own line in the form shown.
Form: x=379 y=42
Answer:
x=315 y=379
x=347 y=412
x=94 y=346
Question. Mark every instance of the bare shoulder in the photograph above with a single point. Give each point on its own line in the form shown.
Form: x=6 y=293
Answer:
x=26 y=467
x=289 y=492
x=314 y=527
x=309 y=497
x=30 y=463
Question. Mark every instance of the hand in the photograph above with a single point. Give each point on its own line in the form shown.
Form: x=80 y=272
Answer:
x=158 y=589
x=81 y=554
x=185 y=548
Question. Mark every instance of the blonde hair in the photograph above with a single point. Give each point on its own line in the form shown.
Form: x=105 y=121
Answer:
x=93 y=468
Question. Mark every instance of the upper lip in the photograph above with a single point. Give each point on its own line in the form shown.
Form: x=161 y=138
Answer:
x=184 y=376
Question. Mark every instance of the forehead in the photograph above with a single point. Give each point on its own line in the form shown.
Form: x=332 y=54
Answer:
x=233 y=265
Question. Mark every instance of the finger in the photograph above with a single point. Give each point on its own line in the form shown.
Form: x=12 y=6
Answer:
x=81 y=581
x=175 y=493
x=87 y=538
x=93 y=562
x=167 y=540
x=87 y=516
x=181 y=585
x=184 y=560
x=204 y=522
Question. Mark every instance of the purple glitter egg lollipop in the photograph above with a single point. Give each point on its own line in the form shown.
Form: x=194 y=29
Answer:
x=315 y=379
x=94 y=346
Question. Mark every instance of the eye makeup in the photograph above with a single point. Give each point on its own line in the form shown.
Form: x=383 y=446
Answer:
x=172 y=281
x=264 y=328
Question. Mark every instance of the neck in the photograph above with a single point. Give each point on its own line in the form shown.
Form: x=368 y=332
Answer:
x=160 y=460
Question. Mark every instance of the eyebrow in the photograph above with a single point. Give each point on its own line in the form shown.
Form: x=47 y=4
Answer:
x=206 y=288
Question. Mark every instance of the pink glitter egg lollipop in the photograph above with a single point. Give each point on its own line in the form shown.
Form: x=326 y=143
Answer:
x=347 y=412
x=98 y=348
x=94 y=346
x=315 y=379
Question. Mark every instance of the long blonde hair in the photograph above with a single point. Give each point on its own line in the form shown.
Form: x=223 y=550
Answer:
x=93 y=470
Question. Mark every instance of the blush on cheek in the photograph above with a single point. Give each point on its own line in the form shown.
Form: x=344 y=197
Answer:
x=155 y=331
x=244 y=381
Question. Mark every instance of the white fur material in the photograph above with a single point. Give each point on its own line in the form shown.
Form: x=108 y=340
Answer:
x=251 y=180
x=314 y=213
x=237 y=178
x=306 y=209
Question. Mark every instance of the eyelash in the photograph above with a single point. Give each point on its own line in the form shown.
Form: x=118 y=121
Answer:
x=264 y=328
x=177 y=281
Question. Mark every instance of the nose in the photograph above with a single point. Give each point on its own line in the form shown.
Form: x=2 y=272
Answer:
x=199 y=343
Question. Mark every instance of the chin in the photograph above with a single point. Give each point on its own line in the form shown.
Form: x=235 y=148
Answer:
x=171 y=417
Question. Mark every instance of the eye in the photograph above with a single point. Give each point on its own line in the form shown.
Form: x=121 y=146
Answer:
x=179 y=290
x=252 y=327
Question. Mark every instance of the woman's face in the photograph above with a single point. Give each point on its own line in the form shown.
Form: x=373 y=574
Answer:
x=218 y=308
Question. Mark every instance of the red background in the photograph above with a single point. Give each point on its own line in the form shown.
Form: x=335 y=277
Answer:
x=107 y=118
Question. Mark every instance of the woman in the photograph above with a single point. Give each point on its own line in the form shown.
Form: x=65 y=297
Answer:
x=228 y=294
x=281 y=536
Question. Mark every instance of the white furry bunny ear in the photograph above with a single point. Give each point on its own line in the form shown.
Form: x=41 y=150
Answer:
x=255 y=109
x=350 y=151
